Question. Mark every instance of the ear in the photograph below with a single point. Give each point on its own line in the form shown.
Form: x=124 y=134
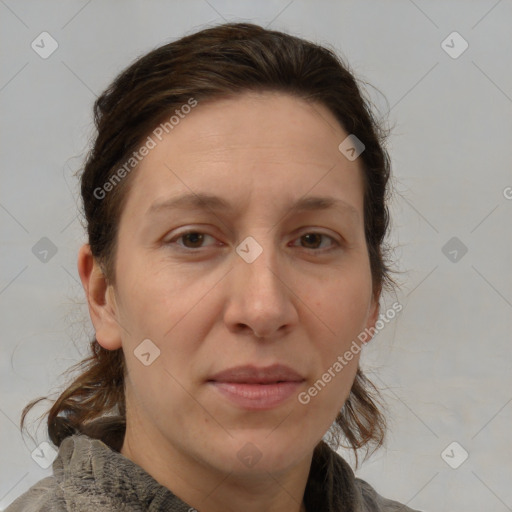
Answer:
x=373 y=314
x=101 y=300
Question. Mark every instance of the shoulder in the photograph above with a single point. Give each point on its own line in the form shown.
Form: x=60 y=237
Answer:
x=89 y=475
x=56 y=492
x=374 y=502
x=44 y=496
x=333 y=486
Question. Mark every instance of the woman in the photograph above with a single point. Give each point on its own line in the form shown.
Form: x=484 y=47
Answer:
x=235 y=201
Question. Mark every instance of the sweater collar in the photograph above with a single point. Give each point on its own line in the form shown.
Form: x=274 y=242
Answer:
x=84 y=460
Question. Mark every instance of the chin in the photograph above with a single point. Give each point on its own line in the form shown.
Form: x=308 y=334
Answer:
x=260 y=451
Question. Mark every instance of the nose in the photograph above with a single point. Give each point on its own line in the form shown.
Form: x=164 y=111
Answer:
x=261 y=298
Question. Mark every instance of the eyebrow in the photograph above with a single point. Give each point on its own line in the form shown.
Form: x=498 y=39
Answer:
x=203 y=201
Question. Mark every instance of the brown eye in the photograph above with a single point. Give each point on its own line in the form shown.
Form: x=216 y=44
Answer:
x=190 y=240
x=194 y=238
x=314 y=240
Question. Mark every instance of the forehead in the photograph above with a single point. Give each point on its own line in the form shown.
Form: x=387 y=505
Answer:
x=257 y=144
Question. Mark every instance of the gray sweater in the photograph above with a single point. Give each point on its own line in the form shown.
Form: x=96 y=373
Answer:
x=89 y=476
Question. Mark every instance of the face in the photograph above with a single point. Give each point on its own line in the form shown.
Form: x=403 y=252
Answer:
x=261 y=275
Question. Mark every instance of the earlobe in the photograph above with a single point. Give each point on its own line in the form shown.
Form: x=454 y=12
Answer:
x=373 y=315
x=100 y=299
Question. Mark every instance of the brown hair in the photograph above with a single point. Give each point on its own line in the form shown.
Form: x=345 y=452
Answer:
x=216 y=62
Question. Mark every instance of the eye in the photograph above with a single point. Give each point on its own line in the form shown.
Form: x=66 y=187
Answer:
x=314 y=240
x=192 y=240
x=195 y=240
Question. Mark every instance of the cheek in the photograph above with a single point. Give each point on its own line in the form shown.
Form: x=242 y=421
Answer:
x=172 y=311
x=156 y=298
x=343 y=308
x=154 y=393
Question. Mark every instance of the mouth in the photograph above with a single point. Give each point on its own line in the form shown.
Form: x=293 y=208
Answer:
x=253 y=388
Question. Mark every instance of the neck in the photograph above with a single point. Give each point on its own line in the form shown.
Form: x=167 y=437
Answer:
x=209 y=489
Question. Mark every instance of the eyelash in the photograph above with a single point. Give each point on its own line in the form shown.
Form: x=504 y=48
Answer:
x=335 y=244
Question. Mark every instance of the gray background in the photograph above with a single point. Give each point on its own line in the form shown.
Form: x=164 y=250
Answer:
x=443 y=363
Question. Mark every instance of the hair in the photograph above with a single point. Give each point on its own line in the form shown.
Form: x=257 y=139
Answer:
x=217 y=62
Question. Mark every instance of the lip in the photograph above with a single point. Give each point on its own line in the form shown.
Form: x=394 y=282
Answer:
x=250 y=374
x=257 y=388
